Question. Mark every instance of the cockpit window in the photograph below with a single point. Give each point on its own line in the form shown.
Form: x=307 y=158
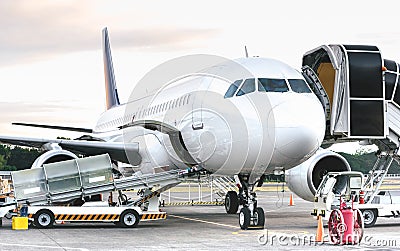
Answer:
x=247 y=87
x=232 y=89
x=272 y=85
x=299 y=86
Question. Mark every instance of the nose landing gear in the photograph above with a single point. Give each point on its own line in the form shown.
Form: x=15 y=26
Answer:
x=250 y=215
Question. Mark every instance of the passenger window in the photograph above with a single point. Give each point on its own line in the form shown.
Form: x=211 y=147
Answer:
x=272 y=85
x=232 y=89
x=247 y=87
x=299 y=86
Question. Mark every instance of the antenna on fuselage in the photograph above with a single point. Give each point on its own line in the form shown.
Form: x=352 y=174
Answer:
x=245 y=51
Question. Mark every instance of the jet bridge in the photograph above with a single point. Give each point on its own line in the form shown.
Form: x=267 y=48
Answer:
x=78 y=178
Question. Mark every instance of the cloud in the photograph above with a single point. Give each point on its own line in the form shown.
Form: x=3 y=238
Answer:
x=25 y=112
x=33 y=30
x=51 y=113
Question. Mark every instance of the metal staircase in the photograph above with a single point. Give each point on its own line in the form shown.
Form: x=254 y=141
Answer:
x=376 y=176
x=221 y=185
x=360 y=93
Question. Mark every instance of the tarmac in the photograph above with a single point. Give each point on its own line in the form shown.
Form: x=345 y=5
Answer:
x=202 y=227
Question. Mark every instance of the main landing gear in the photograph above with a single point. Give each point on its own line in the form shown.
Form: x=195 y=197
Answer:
x=250 y=215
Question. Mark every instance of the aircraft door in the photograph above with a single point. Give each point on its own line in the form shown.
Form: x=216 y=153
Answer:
x=203 y=83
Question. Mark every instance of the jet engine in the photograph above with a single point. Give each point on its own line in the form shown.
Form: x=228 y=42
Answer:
x=304 y=179
x=52 y=156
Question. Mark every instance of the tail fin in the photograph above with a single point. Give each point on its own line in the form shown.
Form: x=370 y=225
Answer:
x=112 y=98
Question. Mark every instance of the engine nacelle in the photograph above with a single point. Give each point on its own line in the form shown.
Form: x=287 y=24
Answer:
x=52 y=156
x=304 y=179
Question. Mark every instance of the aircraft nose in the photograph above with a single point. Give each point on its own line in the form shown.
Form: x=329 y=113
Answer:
x=299 y=129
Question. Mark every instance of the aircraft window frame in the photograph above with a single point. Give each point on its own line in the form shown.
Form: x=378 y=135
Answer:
x=240 y=91
x=261 y=85
x=237 y=83
x=299 y=91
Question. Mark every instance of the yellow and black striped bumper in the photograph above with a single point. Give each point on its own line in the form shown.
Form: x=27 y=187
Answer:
x=84 y=217
x=153 y=216
x=194 y=203
x=101 y=217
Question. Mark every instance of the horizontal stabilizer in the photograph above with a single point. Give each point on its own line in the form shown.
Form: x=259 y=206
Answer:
x=65 y=128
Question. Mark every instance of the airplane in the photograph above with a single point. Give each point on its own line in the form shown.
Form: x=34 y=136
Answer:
x=243 y=118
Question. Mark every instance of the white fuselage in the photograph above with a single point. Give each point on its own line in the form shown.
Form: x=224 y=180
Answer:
x=242 y=134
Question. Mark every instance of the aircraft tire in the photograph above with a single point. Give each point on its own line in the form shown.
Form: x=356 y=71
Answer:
x=244 y=218
x=260 y=217
x=231 y=202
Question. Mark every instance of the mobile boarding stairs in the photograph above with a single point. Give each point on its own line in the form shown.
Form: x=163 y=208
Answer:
x=360 y=93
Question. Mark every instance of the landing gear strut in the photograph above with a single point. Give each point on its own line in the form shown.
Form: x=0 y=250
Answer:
x=250 y=215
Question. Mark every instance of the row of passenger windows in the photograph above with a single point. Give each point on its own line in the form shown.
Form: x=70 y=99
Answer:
x=266 y=85
x=184 y=100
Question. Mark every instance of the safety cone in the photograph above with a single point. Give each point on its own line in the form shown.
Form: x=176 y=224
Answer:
x=291 y=203
x=320 y=230
x=62 y=222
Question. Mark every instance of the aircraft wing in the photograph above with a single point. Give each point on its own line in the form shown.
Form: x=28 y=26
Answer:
x=116 y=150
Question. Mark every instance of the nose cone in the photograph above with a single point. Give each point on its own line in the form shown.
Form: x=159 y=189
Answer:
x=299 y=129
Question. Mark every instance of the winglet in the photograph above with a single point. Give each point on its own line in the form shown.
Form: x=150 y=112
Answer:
x=112 y=98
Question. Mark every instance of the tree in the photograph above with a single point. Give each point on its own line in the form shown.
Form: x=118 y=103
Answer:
x=363 y=162
x=4 y=166
x=22 y=158
x=2 y=161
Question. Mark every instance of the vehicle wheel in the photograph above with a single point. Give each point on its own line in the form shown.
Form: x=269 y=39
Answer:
x=336 y=226
x=1 y=222
x=259 y=217
x=358 y=225
x=44 y=219
x=370 y=217
x=244 y=218
x=129 y=218
x=231 y=202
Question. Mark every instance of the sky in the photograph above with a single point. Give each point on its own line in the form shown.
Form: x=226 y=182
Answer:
x=51 y=68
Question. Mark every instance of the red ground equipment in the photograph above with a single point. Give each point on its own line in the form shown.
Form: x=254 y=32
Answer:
x=346 y=225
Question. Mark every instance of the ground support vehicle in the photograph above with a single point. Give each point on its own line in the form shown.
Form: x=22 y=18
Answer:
x=71 y=191
x=351 y=186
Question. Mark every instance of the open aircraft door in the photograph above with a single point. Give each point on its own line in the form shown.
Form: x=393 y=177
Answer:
x=348 y=80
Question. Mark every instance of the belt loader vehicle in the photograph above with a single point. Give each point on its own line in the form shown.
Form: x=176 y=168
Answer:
x=70 y=191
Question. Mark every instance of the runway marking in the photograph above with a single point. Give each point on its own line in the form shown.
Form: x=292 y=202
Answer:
x=203 y=221
x=40 y=246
